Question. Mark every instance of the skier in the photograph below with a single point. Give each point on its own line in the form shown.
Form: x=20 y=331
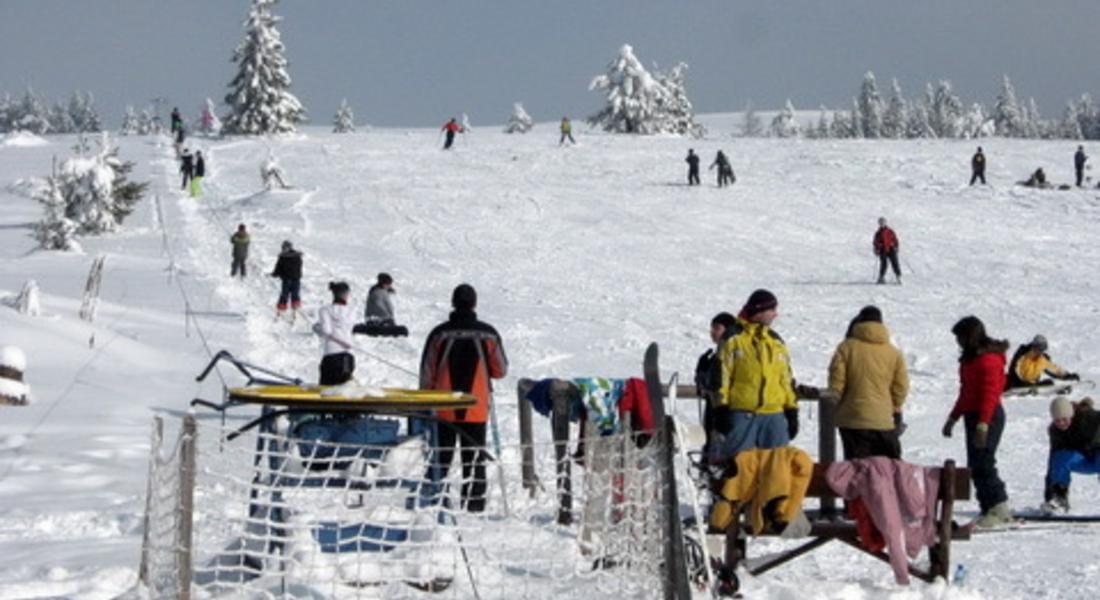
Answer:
x=981 y=379
x=13 y=390
x=1031 y=362
x=200 y=171
x=725 y=171
x=178 y=141
x=334 y=324
x=270 y=171
x=451 y=128
x=463 y=354
x=240 y=241
x=708 y=375
x=757 y=388
x=288 y=268
x=177 y=121
x=885 y=244
x=1079 y=160
x=869 y=376
x=187 y=168
x=566 y=131
x=977 y=167
x=1074 y=434
x=693 y=167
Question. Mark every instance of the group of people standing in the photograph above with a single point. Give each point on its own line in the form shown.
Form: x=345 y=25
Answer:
x=1037 y=178
x=192 y=166
x=725 y=170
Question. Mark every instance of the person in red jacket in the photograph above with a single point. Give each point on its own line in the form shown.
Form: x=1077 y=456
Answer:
x=451 y=128
x=981 y=381
x=463 y=354
x=886 y=248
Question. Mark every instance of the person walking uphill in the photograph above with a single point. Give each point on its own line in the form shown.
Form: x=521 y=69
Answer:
x=977 y=167
x=756 y=387
x=886 y=247
x=463 y=354
x=869 y=377
x=725 y=171
x=981 y=380
x=240 y=241
x=693 y=167
x=451 y=128
x=187 y=168
x=288 y=268
x=566 y=131
x=1079 y=160
x=199 y=173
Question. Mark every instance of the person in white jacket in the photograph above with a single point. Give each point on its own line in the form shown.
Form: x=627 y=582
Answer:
x=334 y=324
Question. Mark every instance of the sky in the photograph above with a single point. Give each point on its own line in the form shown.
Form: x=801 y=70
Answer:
x=415 y=63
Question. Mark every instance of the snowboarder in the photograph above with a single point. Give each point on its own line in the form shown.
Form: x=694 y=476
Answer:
x=566 y=131
x=977 y=167
x=1074 y=434
x=240 y=241
x=187 y=168
x=708 y=375
x=271 y=171
x=725 y=171
x=693 y=167
x=869 y=376
x=981 y=379
x=757 y=387
x=334 y=324
x=886 y=245
x=200 y=172
x=463 y=354
x=1038 y=179
x=288 y=268
x=1079 y=160
x=1031 y=362
x=451 y=128
x=177 y=121
x=379 y=303
x=13 y=390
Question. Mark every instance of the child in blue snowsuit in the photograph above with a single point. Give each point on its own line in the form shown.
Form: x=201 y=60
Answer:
x=1074 y=448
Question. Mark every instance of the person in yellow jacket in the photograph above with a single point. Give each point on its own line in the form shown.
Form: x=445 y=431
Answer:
x=868 y=376
x=757 y=389
x=1031 y=363
x=566 y=131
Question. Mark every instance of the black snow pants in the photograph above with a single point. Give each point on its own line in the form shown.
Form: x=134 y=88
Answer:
x=471 y=438
x=983 y=461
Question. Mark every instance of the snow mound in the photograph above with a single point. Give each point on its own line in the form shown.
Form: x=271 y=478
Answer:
x=23 y=139
x=13 y=358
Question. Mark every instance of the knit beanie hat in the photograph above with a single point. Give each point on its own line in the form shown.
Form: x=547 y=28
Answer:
x=724 y=319
x=1039 y=342
x=464 y=297
x=758 y=302
x=869 y=313
x=1060 y=408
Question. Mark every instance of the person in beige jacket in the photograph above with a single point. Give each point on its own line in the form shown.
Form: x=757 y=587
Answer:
x=869 y=378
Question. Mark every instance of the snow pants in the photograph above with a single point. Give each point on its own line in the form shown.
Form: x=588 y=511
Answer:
x=569 y=135
x=291 y=291
x=1064 y=462
x=749 y=430
x=196 y=186
x=449 y=141
x=693 y=175
x=186 y=179
x=470 y=437
x=983 y=461
x=238 y=268
x=976 y=176
x=1080 y=172
x=892 y=257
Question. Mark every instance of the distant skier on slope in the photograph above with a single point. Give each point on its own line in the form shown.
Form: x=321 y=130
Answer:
x=200 y=172
x=177 y=120
x=725 y=170
x=1030 y=363
x=1074 y=434
x=693 y=167
x=270 y=172
x=240 y=240
x=566 y=131
x=450 y=128
x=977 y=167
x=288 y=268
x=1079 y=160
x=187 y=168
x=886 y=245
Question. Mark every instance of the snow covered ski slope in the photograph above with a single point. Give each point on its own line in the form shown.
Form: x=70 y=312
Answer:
x=581 y=256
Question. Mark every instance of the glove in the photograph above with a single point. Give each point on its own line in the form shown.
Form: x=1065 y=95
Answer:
x=830 y=395
x=792 y=422
x=899 y=425
x=948 y=426
x=981 y=435
x=1071 y=377
x=807 y=391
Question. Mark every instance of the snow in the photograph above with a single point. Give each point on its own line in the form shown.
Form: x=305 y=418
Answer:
x=581 y=256
x=23 y=139
x=13 y=357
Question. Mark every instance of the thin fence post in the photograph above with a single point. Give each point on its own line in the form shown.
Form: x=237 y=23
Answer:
x=526 y=437
x=154 y=453
x=677 y=586
x=186 y=506
x=826 y=449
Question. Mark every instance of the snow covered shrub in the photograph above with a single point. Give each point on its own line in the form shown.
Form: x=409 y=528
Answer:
x=30 y=115
x=520 y=121
x=209 y=123
x=638 y=102
x=260 y=101
x=13 y=390
x=344 y=119
x=130 y=123
x=784 y=124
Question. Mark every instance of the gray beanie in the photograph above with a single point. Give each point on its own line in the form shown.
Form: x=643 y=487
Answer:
x=1061 y=408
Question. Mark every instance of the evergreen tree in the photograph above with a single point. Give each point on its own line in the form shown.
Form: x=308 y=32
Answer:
x=784 y=125
x=946 y=112
x=60 y=119
x=677 y=112
x=918 y=125
x=870 y=107
x=1087 y=118
x=1071 y=123
x=638 y=102
x=895 y=119
x=130 y=123
x=520 y=121
x=975 y=124
x=31 y=115
x=855 y=124
x=751 y=125
x=344 y=119
x=840 y=127
x=260 y=101
x=146 y=124
x=55 y=231
x=83 y=114
x=1032 y=122
x=822 y=124
x=1007 y=115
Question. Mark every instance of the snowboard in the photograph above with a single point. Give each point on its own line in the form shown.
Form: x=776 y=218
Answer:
x=651 y=371
x=1058 y=389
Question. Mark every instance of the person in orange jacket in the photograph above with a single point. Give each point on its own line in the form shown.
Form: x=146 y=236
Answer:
x=463 y=354
x=451 y=128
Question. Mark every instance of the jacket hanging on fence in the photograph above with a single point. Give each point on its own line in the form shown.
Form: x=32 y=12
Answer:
x=775 y=481
x=900 y=500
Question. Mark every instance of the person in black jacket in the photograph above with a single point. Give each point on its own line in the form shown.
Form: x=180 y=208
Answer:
x=199 y=173
x=1074 y=448
x=693 y=167
x=289 y=270
x=977 y=167
x=1079 y=160
x=708 y=378
x=725 y=170
x=187 y=168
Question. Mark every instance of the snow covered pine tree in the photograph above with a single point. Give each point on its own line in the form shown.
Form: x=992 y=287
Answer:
x=344 y=119
x=520 y=121
x=638 y=102
x=260 y=101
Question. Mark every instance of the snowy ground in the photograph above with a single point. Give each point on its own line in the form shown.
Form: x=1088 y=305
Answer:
x=581 y=256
